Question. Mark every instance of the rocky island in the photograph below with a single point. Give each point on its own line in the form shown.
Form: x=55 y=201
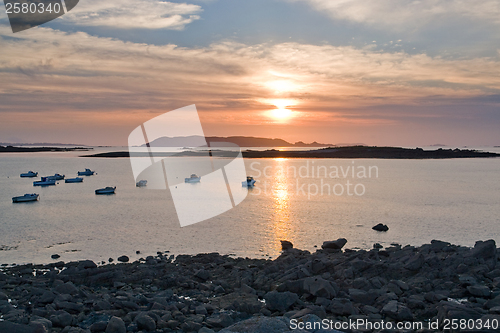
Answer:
x=431 y=284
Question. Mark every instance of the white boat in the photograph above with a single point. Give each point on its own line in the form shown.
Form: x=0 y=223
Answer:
x=74 y=180
x=29 y=174
x=250 y=182
x=193 y=179
x=56 y=177
x=106 y=190
x=87 y=172
x=141 y=183
x=45 y=182
x=26 y=198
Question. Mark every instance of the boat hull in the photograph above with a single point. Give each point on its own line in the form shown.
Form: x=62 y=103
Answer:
x=45 y=183
x=85 y=173
x=108 y=190
x=74 y=180
x=29 y=175
x=25 y=198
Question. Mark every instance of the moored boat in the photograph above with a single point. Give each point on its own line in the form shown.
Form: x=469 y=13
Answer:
x=250 y=182
x=56 y=177
x=74 y=180
x=29 y=174
x=106 y=190
x=193 y=179
x=87 y=172
x=26 y=198
x=141 y=183
x=45 y=182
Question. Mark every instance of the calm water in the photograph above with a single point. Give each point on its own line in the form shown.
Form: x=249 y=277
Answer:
x=420 y=200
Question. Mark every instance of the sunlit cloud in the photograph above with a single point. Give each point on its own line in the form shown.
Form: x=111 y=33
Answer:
x=126 y=14
x=408 y=15
x=234 y=83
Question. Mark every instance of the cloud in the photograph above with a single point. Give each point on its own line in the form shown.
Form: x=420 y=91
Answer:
x=76 y=78
x=408 y=15
x=127 y=14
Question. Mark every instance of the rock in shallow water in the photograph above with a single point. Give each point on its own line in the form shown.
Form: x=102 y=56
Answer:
x=380 y=227
x=123 y=259
x=335 y=245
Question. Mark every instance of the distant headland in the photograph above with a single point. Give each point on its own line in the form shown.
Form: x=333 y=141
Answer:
x=242 y=141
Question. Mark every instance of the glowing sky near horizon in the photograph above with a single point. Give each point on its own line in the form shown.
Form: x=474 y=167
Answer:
x=383 y=72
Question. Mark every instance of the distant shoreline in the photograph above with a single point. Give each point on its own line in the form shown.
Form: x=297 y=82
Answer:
x=351 y=152
x=12 y=149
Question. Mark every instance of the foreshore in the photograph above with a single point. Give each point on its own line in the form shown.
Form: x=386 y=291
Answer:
x=207 y=293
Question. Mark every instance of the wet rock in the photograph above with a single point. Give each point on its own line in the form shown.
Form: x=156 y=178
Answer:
x=145 y=322
x=377 y=246
x=277 y=301
x=202 y=275
x=85 y=264
x=415 y=262
x=8 y=327
x=61 y=319
x=319 y=287
x=258 y=325
x=380 y=227
x=98 y=327
x=286 y=245
x=123 y=259
x=335 y=245
x=479 y=291
x=67 y=288
x=116 y=325
x=397 y=311
x=55 y=256
x=485 y=250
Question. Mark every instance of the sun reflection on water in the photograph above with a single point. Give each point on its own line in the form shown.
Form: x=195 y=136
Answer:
x=282 y=229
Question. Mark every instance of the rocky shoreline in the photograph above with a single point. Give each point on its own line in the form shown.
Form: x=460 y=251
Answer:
x=215 y=293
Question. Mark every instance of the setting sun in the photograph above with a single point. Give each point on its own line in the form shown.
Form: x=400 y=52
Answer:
x=281 y=113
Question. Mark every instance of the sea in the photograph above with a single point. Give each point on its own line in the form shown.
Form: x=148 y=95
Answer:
x=305 y=201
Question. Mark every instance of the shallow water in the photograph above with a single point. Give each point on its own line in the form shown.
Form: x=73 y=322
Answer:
x=420 y=200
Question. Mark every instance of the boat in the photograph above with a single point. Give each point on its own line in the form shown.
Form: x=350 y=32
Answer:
x=87 y=172
x=56 y=177
x=106 y=190
x=26 y=198
x=45 y=182
x=141 y=183
x=74 y=180
x=29 y=174
x=250 y=182
x=193 y=179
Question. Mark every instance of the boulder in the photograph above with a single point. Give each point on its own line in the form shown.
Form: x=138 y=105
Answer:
x=276 y=301
x=381 y=227
x=286 y=245
x=485 y=250
x=258 y=325
x=319 y=287
x=415 y=262
x=397 y=311
x=479 y=291
x=145 y=322
x=123 y=259
x=335 y=245
x=116 y=325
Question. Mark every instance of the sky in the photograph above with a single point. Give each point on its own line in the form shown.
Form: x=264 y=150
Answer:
x=385 y=72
